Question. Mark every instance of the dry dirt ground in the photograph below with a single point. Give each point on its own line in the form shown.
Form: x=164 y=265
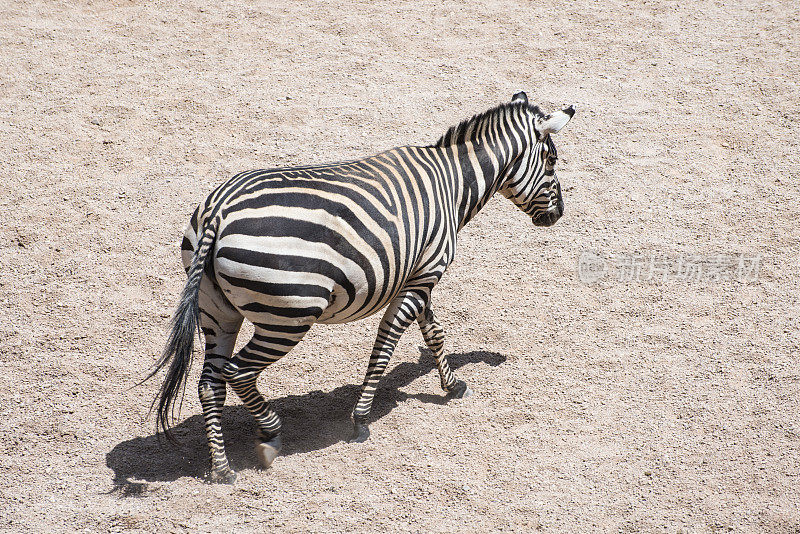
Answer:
x=631 y=403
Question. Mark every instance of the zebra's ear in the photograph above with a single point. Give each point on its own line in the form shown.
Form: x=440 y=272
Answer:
x=550 y=124
x=520 y=97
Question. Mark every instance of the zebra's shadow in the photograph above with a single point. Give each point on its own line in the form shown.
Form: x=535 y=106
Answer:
x=312 y=421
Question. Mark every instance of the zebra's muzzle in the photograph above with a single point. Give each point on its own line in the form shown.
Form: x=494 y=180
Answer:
x=549 y=217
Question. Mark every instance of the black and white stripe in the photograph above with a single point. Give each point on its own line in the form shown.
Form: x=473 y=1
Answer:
x=287 y=248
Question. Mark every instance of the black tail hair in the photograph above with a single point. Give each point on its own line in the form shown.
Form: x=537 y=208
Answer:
x=180 y=344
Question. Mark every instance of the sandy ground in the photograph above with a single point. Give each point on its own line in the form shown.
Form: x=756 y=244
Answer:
x=632 y=403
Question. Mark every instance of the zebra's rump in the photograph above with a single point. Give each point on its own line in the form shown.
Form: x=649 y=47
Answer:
x=289 y=253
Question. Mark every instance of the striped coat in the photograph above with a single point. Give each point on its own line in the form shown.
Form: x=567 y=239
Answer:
x=287 y=248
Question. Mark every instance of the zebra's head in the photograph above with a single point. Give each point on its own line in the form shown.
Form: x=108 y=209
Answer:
x=531 y=182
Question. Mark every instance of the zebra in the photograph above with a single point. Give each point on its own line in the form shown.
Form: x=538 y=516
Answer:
x=333 y=243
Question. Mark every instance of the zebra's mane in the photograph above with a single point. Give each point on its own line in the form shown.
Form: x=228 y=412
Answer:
x=458 y=134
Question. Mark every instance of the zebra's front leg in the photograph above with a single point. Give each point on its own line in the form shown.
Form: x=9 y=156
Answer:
x=402 y=311
x=433 y=333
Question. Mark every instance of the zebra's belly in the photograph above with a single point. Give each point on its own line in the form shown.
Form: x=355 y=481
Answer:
x=338 y=314
x=283 y=280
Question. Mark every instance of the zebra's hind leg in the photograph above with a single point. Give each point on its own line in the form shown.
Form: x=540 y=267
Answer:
x=433 y=333
x=402 y=311
x=220 y=324
x=269 y=344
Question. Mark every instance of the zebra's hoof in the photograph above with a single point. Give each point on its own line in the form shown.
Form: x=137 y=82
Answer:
x=223 y=476
x=460 y=390
x=360 y=433
x=267 y=451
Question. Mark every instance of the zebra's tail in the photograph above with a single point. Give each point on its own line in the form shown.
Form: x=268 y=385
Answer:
x=179 y=350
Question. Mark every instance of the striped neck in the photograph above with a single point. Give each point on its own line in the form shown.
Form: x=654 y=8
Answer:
x=486 y=148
